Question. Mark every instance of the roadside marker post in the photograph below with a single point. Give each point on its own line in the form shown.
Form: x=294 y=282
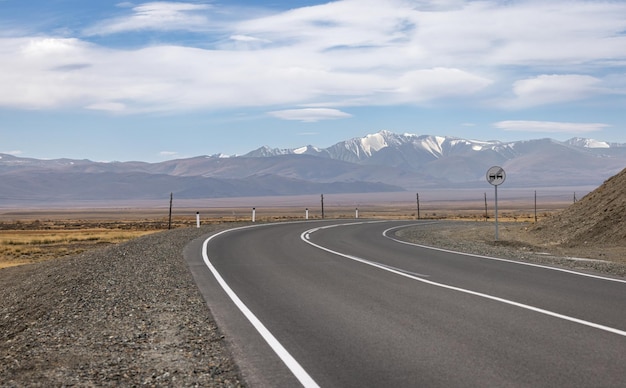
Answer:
x=417 y=195
x=306 y=214
x=197 y=219
x=253 y=214
x=496 y=176
x=169 y=224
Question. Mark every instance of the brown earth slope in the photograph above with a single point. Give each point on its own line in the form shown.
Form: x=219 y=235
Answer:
x=598 y=219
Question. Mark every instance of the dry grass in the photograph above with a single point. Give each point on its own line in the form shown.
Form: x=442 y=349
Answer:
x=28 y=246
x=29 y=236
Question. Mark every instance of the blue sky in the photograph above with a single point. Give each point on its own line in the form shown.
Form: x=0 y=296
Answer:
x=151 y=81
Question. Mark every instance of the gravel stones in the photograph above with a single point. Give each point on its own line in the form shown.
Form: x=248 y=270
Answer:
x=128 y=315
x=515 y=243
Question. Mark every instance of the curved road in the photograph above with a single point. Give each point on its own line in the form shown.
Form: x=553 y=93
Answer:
x=344 y=304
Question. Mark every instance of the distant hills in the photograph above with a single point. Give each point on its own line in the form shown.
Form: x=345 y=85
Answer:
x=381 y=162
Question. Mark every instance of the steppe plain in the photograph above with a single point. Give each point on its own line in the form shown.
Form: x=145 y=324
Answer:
x=99 y=306
x=35 y=233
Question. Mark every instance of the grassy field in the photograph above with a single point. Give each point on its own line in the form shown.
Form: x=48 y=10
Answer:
x=19 y=247
x=32 y=235
x=37 y=235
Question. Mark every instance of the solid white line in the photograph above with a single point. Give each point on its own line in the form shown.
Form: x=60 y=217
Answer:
x=290 y=362
x=465 y=291
x=498 y=259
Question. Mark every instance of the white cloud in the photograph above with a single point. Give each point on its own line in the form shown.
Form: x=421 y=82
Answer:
x=551 y=89
x=107 y=106
x=550 y=126
x=429 y=84
x=164 y=16
x=337 y=54
x=310 y=115
x=168 y=153
x=246 y=38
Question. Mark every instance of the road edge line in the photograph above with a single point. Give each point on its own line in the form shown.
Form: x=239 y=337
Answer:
x=298 y=371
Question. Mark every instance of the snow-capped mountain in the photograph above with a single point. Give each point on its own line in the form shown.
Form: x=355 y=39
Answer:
x=456 y=160
x=589 y=143
x=382 y=161
x=427 y=153
x=363 y=148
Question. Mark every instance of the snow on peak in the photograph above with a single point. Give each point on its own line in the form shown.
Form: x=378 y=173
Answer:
x=300 y=151
x=588 y=143
x=434 y=145
x=374 y=143
x=305 y=150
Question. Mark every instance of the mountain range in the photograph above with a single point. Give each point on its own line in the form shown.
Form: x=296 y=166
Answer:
x=380 y=162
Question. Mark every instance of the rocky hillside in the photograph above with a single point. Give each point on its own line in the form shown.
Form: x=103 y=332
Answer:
x=598 y=219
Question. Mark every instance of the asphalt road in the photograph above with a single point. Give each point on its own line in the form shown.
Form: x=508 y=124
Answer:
x=343 y=304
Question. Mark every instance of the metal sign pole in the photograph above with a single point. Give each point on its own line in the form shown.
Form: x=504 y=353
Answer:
x=495 y=176
x=496 y=212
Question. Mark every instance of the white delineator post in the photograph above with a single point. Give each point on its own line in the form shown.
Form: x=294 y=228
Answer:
x=306 y=214
x=253 y=214
x=197 y=219
x=356 y=213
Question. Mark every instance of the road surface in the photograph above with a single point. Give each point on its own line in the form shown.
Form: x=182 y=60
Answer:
x=344 y=304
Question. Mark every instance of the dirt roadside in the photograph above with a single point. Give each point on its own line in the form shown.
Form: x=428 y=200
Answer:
x=518 y=241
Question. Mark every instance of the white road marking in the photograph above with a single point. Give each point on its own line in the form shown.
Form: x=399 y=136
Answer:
x=463 y=290
x=291 y=363
x=499 y=259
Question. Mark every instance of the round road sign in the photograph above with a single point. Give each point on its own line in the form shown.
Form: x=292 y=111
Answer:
x=496 y=175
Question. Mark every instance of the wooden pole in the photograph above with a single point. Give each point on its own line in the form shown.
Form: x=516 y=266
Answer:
x=535 y=206
x=169 y=224
x=418 y=205
x=486 y=215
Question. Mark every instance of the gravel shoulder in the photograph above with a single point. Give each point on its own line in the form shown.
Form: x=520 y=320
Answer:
x=518 y=241
x=125 y=315
x=131 y=314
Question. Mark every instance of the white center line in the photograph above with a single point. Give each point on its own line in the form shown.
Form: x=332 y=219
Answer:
x=458 y=289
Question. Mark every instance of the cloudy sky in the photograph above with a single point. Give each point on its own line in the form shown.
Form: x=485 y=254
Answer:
x=109 y=80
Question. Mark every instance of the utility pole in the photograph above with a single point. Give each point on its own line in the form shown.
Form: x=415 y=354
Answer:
x=535 y=206
x=418 y=205
x=486 y=214
x=169 y=225
x=322 y=206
